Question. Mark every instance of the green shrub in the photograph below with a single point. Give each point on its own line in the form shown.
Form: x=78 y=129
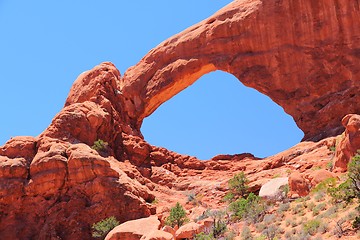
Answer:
x=100 y=145
x=177 y=216
x=252 y=208
x=260 y=226
x=321 y=206
x=298 y=208
x=354 y=175
x=342 y=193
x=312 y=226
x=324 y=185
x=311 y=206
x=103 y=227
x=219 y=228
x=204 y=236
x=349 y=189
x=261 y=237
x=228 y=197
x=330 y=166
x=356 y=223
x=270 y=232
x=238 y=184
x=283 y=207
x=323 y=228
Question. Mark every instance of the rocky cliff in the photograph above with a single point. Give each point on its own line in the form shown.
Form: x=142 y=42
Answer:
x=303 y=54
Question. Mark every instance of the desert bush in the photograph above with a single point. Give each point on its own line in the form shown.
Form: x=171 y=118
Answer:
x=246 y=233
x=311 y=206
x=356 y=222
x=194 y=199
x=283 y=207
x=324 y=185
x=252 y=208
x=330 y=166
x=204 y=236
x=294 y=222
x=354 y=174
x=339 y=230
x=329 y=213
x=261 y=237
x=270 y=232
x=219 y=228
x=204 y=215
x=228 y=197
x=312 y=226
x=100 y=145
x=260 y=226
x=319 y=196
x=297 y=208
x=269 y=218
x=103 y=227
x=323 y=228
x=177 y=216
x=342 y=193
x=230 y=235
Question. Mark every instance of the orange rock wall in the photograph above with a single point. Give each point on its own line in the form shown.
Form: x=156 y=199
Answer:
x=303 y=54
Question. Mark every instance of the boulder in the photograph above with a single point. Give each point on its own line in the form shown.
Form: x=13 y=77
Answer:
x=320 y=175
x=189 y=230
x=298 y=185
x=273 y=188
x=158 y=235
x=135 y=229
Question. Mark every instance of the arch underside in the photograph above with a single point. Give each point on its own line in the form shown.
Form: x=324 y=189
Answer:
x=303 y=54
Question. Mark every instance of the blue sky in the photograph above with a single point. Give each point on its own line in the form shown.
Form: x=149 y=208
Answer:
x=45 y=45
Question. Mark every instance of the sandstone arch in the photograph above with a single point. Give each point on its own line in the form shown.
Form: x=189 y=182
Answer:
x=303 y=54
x=218 y=114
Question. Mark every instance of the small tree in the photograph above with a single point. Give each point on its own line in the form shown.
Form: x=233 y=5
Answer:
x=103 y=227
x=238 y=184
x=177 y=216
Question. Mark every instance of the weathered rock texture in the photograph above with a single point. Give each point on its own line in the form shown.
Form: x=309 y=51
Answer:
x=304 y=55
x=348 y=143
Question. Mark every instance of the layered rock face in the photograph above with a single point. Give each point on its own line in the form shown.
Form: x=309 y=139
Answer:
x=54 y=186
x=303 y=54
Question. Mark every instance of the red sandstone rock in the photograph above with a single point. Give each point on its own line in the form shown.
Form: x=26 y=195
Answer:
x=158 y=235
x=56 y=186
x=348 y=142
x=169 y=229
x=135 y=229
x=298 y=185
x=320 y=175
x=247 y=39
x=189 y=230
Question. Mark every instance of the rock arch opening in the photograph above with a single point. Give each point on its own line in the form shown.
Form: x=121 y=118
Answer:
x=219 y=115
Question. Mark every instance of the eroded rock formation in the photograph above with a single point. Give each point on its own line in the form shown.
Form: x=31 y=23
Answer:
x=303 y=54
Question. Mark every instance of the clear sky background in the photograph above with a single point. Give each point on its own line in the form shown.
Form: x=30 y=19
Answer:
x=45 y=45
